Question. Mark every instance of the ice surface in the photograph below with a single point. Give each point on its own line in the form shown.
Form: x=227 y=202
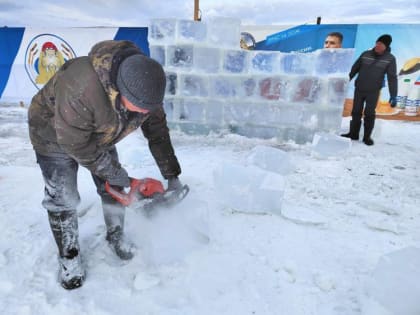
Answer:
x=238 y=113
x=326 y=144
x=224 y=32
x=297 y=134
x=196 y=128
x=264 y=62
x=248 y=86
x=289 y=115
x=333 y=61
x=394 y=284
x=171 y=83
x=322 y=119
x=191 y=31
x=224 y=86
x=193 y=109
x=162 y=31
x=297 y=63
x=172 y=108
x=262 y=114
x=207 y=59
x=158 y=53
x=329 y=119
x=255 y=131
x=214 y=112
x=194 y=85
x=271 y=159
x=180 y=56
x=276 y=115
x=235 y=61
x=337 y=91
x=274 y=88
x=310 y=117
x=307 y=90
x=249 y=188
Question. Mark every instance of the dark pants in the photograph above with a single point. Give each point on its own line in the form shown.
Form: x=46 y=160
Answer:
x=60 y=176
x=368 y=100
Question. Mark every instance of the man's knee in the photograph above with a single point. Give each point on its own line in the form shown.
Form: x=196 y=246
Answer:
x=60 y=177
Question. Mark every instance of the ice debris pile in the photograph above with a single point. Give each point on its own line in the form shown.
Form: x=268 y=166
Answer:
x=214 y=85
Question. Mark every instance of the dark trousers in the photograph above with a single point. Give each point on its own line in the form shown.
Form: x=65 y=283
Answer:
x=366 y=100
x=60 y=176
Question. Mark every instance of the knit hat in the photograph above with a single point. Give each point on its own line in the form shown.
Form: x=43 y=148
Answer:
x=142 y=81
x=385 y=39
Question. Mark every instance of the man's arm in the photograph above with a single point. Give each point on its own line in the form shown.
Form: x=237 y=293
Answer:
x=392 y=78
x=355 y=68
x=156 y=131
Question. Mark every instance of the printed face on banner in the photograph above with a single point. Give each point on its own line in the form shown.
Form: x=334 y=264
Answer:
x=45 y=54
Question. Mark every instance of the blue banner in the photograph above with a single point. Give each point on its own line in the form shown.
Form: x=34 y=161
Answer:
x=10 y=39
x=307 y=38
x=137 y=35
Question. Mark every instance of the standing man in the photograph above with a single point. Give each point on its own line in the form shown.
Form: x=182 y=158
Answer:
x=89 y=105
x=333 y=40
x=372 y=65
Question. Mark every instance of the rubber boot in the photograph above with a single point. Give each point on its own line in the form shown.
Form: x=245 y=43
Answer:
x=65 y=230
x=353 y=134
x=114 y=220
x=368 y=126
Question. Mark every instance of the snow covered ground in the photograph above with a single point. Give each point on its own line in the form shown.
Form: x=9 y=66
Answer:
x=339 y=217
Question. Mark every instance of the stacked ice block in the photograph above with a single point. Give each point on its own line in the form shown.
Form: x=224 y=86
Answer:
x=214 y=85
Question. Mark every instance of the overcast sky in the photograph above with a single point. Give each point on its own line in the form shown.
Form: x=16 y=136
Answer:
x=49 y=13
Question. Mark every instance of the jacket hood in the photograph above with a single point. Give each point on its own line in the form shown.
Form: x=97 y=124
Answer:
x=106 y=57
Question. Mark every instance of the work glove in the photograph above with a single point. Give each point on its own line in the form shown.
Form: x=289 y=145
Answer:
x=174 y=183
x=393 y=101
x=119 y=178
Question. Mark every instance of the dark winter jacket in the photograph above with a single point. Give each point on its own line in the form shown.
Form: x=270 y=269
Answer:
x=78 y=112
x=372 y=69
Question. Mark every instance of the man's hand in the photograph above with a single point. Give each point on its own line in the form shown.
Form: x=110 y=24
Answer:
x=393 y=101
x=174 y=183
x=119 y=178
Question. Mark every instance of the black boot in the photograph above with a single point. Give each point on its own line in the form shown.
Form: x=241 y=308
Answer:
x=65 y=230
x=353 y=134
x=114 y=221
x=368 y=126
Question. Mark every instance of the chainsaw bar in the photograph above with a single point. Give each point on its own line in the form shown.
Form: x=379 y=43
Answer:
x=159 y=200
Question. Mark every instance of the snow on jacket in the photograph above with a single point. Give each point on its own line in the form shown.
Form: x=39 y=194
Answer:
x=372 y=69
x=78 y=112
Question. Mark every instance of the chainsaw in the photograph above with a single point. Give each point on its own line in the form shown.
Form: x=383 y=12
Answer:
x=147 y=194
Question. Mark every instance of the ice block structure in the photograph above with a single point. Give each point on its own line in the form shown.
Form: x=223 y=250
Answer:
x=214 y=85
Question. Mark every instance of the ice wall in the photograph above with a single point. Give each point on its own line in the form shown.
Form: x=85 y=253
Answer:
x=214 y=85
